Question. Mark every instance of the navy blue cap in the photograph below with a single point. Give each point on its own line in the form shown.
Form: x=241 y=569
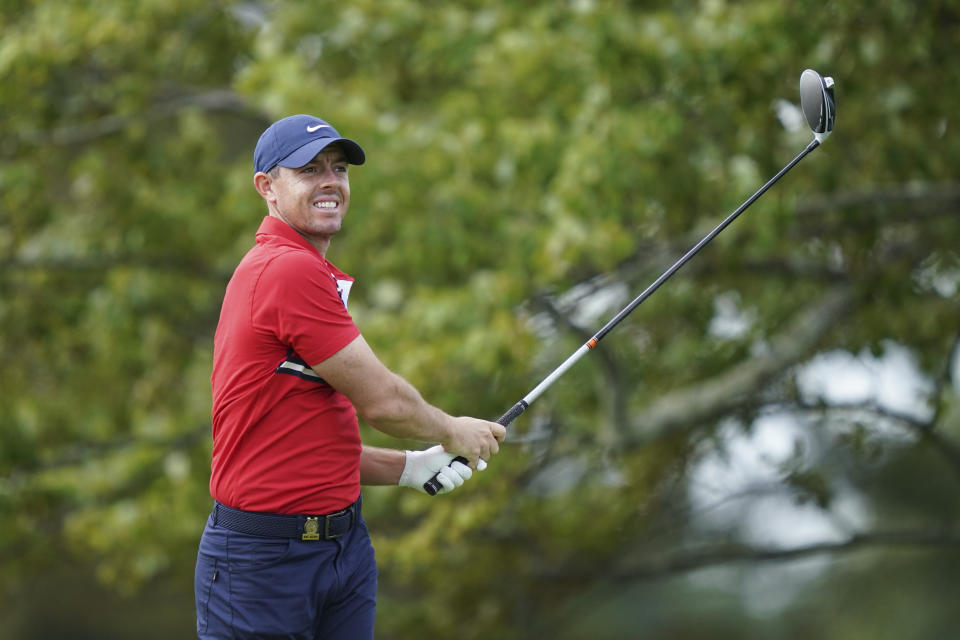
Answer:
x=294 y=141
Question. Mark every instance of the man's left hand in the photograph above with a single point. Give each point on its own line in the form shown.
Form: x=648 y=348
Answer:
x=420 y=466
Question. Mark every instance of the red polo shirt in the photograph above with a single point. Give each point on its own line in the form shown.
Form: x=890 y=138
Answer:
x=284 y=441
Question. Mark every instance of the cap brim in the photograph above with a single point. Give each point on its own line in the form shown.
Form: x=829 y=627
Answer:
x=307 y=152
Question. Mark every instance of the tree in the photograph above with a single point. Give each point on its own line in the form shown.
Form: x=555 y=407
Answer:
x=532 y=166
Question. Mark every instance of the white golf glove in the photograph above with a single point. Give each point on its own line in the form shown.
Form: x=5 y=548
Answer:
x=423 y=465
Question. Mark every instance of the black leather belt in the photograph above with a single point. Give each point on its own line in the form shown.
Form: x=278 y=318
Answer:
x=280 y=525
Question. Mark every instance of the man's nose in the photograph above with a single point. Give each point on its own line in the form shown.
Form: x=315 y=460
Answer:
x=328 y=175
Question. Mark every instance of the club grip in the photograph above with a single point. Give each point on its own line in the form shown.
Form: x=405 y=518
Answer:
x=512 y=415
x=433 y=486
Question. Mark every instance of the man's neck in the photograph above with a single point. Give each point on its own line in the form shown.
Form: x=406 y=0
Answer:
x=320 y=243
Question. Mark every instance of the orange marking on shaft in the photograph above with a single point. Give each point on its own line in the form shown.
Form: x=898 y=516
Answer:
x=592 y=342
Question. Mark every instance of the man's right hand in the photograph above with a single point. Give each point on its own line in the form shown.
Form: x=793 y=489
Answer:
x=474 y=439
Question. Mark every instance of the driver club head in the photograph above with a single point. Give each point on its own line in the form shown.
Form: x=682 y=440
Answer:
x=818 y=103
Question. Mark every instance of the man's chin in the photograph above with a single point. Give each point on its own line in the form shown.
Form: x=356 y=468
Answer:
x=325 y=226
x=330 y=229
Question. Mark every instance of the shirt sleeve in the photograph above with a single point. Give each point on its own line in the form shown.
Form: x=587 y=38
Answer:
x=296 y=298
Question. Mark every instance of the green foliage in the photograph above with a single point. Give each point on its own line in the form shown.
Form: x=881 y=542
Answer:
x=524 y=160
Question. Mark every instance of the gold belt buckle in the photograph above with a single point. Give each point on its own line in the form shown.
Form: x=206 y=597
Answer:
x=311 y=529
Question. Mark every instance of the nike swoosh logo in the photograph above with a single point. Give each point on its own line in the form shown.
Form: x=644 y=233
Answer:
x=315 y=127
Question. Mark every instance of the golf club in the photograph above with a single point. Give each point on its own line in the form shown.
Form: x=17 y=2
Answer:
x=819 y=109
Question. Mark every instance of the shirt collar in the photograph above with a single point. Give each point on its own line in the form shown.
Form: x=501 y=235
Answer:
x=272 y=226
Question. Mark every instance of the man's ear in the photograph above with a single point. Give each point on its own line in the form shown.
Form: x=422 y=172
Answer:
x=263 y=183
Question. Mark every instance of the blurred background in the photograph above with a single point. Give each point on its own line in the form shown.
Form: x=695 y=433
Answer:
x=768 y=448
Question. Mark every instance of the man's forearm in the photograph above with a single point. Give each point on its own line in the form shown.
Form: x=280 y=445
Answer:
x=392 y=405
x=381 y=466
x=403 y=413
x=385 y=400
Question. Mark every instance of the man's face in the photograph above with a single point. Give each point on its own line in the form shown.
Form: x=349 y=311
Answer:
x=314 y=198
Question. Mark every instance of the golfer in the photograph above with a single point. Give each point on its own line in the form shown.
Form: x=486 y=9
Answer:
x=285 y=552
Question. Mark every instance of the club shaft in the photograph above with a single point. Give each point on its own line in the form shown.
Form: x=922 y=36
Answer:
x=556 y=373
x=432 y=486
x=636 y=302
x=703 y=242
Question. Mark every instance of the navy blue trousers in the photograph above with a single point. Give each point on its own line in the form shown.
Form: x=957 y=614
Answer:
x=252 y=587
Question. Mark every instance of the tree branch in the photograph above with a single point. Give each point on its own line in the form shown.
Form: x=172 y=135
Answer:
x=948 y=449
x=725 y=392
x=85 y=452
x=900 y=194
x=684 y=562
x=224 y=100
x=87 y=264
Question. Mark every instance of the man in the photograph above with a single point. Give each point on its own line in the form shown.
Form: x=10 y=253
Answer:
x=286 y=552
